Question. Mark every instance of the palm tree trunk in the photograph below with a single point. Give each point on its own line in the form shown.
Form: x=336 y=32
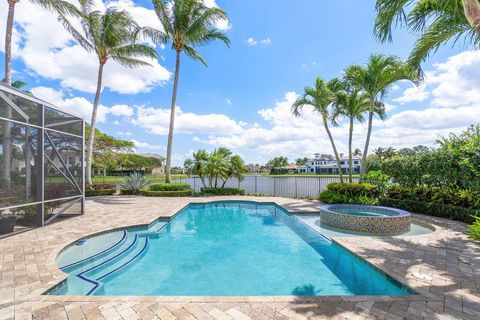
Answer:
x=172 y=119
x=472 y=13
x=339 y=167
x=91 y=138
x=350 y=134
x=363 y=166
x=8 y=41
x=7 y=134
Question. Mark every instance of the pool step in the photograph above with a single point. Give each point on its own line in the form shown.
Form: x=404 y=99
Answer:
x=90 y=279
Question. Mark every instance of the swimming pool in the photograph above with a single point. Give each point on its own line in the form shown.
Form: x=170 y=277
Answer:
x=220 y=249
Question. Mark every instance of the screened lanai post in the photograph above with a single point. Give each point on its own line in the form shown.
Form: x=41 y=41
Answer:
x=28 y=169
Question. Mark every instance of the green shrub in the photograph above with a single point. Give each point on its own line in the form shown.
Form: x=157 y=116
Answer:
x=170 y=187
x=433 y=209
x=332 y=197
x=99 y=192
x=475 y=228
x=463 y=198
x=223 y=191
x=354 y=189
x=181 y=193
x=377 y=178
x=128 y=192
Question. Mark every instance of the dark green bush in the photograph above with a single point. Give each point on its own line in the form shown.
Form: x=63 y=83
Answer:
x=181 y=193
x=223 y=191
x=433 y=209
x=354 y=189
x=128 y=192
x=463 y=198
x=475 y=228
x=99 y=192
x=331 y=197
x=170 y=187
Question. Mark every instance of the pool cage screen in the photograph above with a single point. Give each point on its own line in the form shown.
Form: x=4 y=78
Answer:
x=41 y=159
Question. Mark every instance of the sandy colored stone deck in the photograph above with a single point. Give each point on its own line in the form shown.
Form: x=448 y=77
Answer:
x=27 y=269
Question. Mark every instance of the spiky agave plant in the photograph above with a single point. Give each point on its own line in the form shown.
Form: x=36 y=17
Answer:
x=135 y=182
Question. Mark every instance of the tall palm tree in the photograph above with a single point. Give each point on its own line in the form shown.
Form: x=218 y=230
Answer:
x=352 y=104
x=321 y=97
x=111 y=36
x=435 y=23
x=51 y=5
x=376 y=78
x=186 y=24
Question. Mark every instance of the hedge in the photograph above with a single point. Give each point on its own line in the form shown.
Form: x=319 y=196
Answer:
x=99 y=192
x=182 y=193
x=170 y=187
x=433 y=209
x=461 y=198
x=354 y=189
x=223 y=191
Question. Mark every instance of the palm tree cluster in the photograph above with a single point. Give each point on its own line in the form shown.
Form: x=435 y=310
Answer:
x=215 y=168
x=355 y=96
x=114 y=35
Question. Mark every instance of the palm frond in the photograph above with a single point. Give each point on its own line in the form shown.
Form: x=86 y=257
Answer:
x=192 y=53
x=390 y=13
x=438 y=33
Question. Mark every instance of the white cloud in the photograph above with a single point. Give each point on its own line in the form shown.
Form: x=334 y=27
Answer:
x=58 y=57
x=79 y=105
x=266 y=41
x=413 y=94
x=148 y=146
x=121 y=110
x=156 y=120
x=252 y=42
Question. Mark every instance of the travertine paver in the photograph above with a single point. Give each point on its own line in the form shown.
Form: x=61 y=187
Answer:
x=27 y=269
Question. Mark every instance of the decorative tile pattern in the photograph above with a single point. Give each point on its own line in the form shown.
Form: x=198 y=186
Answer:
x=392 y=221
x=27 y=269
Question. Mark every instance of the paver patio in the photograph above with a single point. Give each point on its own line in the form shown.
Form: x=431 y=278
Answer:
x=27 y=269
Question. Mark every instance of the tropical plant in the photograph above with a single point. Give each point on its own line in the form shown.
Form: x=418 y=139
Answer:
x=186 y=24
x=111 y=36
x=321 y=97
x=301 y=161
x=135 y=182
x=376 y=78
x=435 y=22
x=216 y=167
x=475 y=228
x=352 y=104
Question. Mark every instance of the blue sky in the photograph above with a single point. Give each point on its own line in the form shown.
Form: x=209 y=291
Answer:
x=242 y=99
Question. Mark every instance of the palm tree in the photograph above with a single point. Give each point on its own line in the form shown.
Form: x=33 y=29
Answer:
x=435 y=23
x=321 y=97
x=111 y=36
x=351 y=103
x=376 y=78
x=187 y=24
x=51 y=5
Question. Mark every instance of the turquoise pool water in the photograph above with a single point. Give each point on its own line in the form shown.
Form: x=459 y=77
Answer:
x=220 y=249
